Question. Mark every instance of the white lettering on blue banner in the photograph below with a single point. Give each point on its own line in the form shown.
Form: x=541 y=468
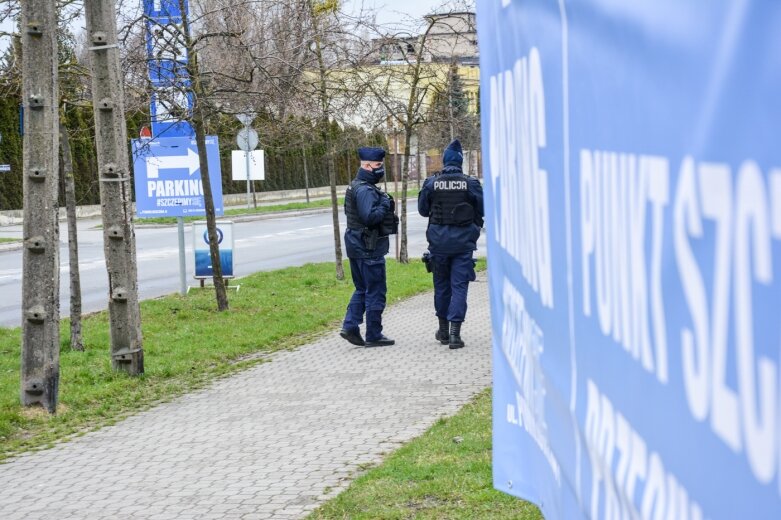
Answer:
x=620 y=196
x=517 y=133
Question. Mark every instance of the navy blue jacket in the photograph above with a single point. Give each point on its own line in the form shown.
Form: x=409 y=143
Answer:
x=451 y=240
x=372 y=207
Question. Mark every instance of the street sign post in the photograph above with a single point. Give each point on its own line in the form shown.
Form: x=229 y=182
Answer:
x=247 y=140
x=167 y=177
x=246 y=118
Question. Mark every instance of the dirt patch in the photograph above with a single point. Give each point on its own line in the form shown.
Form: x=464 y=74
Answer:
x=427 y=502
x=37 y=411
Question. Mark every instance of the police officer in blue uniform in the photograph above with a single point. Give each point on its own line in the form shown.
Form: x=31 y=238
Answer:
x=453 y=203
x=370 y=219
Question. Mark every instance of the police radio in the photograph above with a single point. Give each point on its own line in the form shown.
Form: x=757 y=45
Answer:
x=390 y=221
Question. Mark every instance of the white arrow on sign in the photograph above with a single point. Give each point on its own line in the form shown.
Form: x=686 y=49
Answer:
x=170 y=162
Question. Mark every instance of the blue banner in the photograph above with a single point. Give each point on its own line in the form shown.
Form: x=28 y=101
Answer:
x=172 y=100
x=167 y=175
x=633 y=204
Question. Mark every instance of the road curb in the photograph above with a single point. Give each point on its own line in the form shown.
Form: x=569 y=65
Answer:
x=12 y=246
x=245 y=218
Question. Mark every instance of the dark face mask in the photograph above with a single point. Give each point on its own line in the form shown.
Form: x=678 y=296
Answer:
x=379 y=172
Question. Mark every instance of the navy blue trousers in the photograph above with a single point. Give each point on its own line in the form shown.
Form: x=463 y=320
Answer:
x=452 y=274
x=369 y=296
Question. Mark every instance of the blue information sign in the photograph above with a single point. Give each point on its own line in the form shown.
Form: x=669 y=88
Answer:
x=168 y=177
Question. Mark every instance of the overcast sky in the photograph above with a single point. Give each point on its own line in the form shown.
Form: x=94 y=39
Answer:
x=389 y=12
x=395 y=11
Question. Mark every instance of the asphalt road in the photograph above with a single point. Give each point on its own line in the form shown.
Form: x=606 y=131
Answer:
x=260 y=245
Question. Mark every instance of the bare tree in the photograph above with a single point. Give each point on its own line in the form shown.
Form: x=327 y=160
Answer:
x=198 y=119
x=239 y=56
x=40 y=272
x=410 y=75
x=66 y=172
x=73 y=79
x=118 y=234
x=453 y=114
x=276 y=58
x=401 y=72
x=318 y=11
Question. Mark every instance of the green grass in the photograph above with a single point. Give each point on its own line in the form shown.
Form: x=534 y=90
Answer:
x=186 y=344
x=434 y=477
x=7 y=240
x=291 y=206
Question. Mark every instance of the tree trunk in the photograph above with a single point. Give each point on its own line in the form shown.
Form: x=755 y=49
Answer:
x=409 y=125
x=199 y=125
x=350 y=170
x=396 y=174
x=328 y=151
x=119 y=242
x=211 y=219
x=335 y=215
x=40 y=361
x=66 y=169
x=404 y=253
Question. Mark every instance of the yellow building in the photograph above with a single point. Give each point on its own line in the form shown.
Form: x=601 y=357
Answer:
x=375 y=95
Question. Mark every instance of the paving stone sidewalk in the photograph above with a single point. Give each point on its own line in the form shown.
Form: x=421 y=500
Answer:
x=274 y=441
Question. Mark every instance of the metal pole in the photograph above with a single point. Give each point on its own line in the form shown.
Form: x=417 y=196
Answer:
x=182 y=260
x=246 y=162
x=306 y=177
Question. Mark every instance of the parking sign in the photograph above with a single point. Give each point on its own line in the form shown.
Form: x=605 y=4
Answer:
x=168 y=177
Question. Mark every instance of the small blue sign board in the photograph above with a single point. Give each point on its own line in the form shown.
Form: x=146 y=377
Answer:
x=203 y=260
x=168 y=177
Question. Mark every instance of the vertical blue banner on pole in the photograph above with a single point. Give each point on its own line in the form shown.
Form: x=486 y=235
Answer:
x=172 y=100
x=633 y=204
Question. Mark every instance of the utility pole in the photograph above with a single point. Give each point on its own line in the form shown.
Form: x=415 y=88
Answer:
x=41 y=258
x=119 y=242
x=247 y=141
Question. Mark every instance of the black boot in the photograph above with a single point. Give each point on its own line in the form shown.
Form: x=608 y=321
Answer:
x=353 y=336
x=374 y=335
x=382 y=341
x=455 y=335
x=442 y=335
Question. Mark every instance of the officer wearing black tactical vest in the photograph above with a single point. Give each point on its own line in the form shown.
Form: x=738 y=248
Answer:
x=370 y=219
x=453 y=203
